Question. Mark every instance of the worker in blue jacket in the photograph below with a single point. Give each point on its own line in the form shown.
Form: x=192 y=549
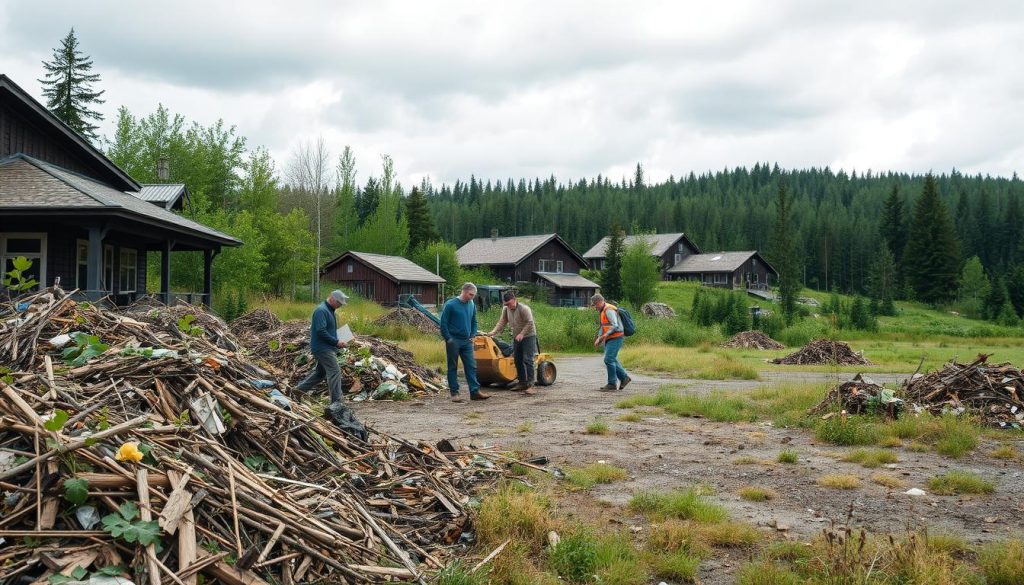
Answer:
x=458 y=328
x=324 y=344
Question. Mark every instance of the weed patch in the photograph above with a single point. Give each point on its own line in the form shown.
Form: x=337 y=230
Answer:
x=788 y=457
x=870 y=458
x=960 y=482
x=688 y=504
x=888 y=480
x=1004 y=452
x=598 y=427
x=1002 y=563
x=677 y=566
x=513 y=512
x=847 y=430
x=595 y=473
x=839 y=481
x=757 y=494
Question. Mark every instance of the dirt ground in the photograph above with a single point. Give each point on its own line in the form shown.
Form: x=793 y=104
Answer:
x=668 y=452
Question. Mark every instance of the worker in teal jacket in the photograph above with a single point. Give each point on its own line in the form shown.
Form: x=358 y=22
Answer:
x=458 y=328
x=324 y=344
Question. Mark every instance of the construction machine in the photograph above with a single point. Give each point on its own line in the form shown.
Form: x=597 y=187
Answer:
x=495 y=365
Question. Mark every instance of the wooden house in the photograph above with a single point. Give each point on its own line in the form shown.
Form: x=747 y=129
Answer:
x=382 y=278
x=669 y=249
x=78 y=217
x=746 y=270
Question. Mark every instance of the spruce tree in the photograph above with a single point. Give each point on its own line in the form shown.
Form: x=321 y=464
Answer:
x=974 y=288
x=421 y=223
x=997 y=297
x=784 y=255
x=611 y=276
x=931 y=258
x=68 y=89
x=894 y=227
x=368 y=201
x=1015 y=285
x=882 y=282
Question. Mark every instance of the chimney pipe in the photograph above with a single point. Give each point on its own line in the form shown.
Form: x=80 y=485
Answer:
x=494 y=234
x=163 y=171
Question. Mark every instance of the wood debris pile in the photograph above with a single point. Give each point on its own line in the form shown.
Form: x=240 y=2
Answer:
x=993 y=392
x=824 y=351
x=133 y=454
x=752 y=340
x=658 y=310
x=405 y=317
x=253 y=322
x=861 y=395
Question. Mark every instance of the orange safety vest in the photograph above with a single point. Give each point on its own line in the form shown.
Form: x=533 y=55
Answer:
x=605 y=325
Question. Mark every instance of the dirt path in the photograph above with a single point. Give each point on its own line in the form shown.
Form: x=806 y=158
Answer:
x=669 y=452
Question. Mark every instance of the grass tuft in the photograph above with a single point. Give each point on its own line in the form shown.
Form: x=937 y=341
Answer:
x=788 y=456
x=598 y=427
x=677 y=566
x=888 y=480
x=847 y=430
x=1004 y=452
x=960 y=482
x=688 y=504
x=1002 y=563
x=757 y=494
x=767 y=573
x=595 y=473
x=841 y=481
x=525 y=427
x=513 y=512
x=631 y=417
x=457 y=573
x=870 y=458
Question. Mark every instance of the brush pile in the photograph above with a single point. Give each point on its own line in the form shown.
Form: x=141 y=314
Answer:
x=824 y=352
x=752 y=340
x=658 y=310
x=993 y=392
x=405 y=317
x=147 y=453
x=861 y=395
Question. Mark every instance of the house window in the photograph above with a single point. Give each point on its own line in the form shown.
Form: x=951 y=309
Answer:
x=559 y=266
x=129 y=269
x=550 y=265
x=32 y=246
x=348 y=268
x=721 y=278
x=81 y=264
x=677 y=259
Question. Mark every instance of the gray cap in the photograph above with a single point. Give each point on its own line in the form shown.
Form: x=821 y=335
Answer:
x=339 y=297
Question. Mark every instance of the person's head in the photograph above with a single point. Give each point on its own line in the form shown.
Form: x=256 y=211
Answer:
x=337 y=299
x=509 y=300
x=597 y=301
x=468 y=292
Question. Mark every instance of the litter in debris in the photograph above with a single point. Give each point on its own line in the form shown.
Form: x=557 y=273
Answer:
x=752 y=340
x=861 y=395
x=824 y=351
x=992 y=392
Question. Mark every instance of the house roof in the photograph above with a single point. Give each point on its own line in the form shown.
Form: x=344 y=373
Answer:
x=510 y=250
x=567 y=280
x=396 y=268
x=718 y=262
x=662 y=243
x=163 y=195
x=28 y=184
x=111 y=172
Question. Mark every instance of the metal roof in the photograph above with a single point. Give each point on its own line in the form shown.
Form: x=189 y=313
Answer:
x=163 y=195
x=395 y=267
x=717 y=262
x=28 y=184
x=662 y=243
x=567 y=280
x=511 y=250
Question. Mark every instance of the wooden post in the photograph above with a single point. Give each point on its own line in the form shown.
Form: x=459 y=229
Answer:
x=208 y=277
x=94 y=261
x=165 y=272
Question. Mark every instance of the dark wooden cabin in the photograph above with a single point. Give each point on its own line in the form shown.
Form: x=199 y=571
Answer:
x=746 y=270
x=669 y=249
x=567 y=290
x=78 y=217
x=382 y=278
x=516 y=259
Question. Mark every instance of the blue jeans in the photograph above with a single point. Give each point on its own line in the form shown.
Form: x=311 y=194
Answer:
x=611 y=360
x=326 y=368
x=461 y=348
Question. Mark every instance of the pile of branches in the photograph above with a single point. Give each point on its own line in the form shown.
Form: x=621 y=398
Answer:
x=658 y=310
x=993 y=392
x=861 y=395
x=405 y=317
x=752 y=340
x=255 y=322
x=129 y=451
x=824 y=351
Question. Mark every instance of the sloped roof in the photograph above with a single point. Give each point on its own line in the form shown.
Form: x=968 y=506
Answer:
x=662 y=243
x=163 y=195
x=718 y=262
x=118 y=177
x=396 y=268
x=29 y=184
x=567 y=280
x=511 y=250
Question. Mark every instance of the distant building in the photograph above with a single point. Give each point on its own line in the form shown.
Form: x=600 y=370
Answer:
x=382 y=278
x=746 y=270
x=669 y=249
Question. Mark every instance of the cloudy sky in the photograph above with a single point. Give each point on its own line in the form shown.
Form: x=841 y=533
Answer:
x=574 y=89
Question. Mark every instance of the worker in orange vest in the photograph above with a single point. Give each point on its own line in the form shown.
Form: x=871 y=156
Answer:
x=612 y=335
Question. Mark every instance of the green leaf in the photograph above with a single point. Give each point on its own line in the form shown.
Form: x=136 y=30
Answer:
x=79 y=573
x=128 y=510
x=147 y=453
x=112 y=571
x=21 y=263
x=57 y=422
x=59 y=579
x=76 y=490
x=147 y=532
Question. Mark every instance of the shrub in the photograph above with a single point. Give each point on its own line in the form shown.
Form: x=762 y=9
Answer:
x=575 y=557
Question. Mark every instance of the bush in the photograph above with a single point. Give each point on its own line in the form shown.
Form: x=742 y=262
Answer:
x=802 y=332
x=847 y=430
x=575 y=557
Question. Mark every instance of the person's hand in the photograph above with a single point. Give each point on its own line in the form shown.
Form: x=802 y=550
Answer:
x=342 y=343
x=597 y=342
x=519 y=337
x=491 y=334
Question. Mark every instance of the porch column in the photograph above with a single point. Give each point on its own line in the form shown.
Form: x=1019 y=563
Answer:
x=208 y=276
x=94 y=261
x=165 y=272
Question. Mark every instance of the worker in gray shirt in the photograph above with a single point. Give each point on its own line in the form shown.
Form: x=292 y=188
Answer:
x=524 y=342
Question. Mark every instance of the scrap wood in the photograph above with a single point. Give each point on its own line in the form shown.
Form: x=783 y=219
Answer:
x=824 y=351
x=406 y=317
x=992 y=392
x=658 y=310
x=860 y=395
x=752 y=340
x=305 y=491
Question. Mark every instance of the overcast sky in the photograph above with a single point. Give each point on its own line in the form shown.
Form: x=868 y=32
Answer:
x=514 y=89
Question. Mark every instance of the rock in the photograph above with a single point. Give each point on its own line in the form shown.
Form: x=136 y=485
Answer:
x=915 y=492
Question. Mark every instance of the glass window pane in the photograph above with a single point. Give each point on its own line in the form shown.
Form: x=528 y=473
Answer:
x=24 y=245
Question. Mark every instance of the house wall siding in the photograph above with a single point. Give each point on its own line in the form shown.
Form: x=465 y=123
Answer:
x=385 y=291
x=18 y=135
x=553 y=250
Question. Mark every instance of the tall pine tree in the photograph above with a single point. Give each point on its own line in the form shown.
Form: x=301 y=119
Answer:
x=611 y=276
x=68 y=89
x=932 y=257
x=421 y=223
x=894 y=226
x=784 y=255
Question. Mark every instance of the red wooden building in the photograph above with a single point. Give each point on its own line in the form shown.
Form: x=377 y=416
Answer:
x=382 y=278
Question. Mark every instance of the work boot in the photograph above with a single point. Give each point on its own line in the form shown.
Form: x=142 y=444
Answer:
x=624 y=382
x=529 y=391
x=479 y=395
x=608 y=388
x=518 y=387
x=457 y=399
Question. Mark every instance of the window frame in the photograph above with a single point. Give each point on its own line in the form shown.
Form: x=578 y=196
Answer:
x=40 y=256
x=125 y=267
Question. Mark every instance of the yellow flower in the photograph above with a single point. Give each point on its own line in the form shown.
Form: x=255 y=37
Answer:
x=129 y=452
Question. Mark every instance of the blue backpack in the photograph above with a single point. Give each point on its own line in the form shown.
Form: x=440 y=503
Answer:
x=628 y=326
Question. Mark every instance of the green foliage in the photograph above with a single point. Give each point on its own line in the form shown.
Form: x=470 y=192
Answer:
x=932 y=255
x=76 y=491
x=783 y=254
x=575 y=557
x=123 y=525
x=640 y=272
x=458 y=573
x=974 y=288
x=611 y=276
x=960 y=482
x=57 y=421
x=186 y=325
x=432 y=254
x=68 y=89
x=688 y=504
x=847 y=430
x=421 y=224
x=1002 y=562
x=883 y=282
x=18 y=278
x=85 y=348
